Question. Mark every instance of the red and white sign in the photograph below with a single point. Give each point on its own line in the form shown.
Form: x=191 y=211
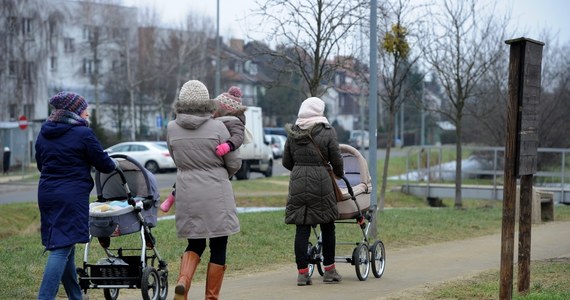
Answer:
x=23 y=122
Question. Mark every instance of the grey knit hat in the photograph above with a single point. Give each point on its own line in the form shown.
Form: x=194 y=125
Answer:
x=194 y=98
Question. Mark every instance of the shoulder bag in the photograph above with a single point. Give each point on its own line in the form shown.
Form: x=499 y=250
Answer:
x=336 y=188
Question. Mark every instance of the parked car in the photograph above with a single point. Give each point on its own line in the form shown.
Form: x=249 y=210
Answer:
x=277 y=143
x=154 y=156
x=275 y=130
x=359 y=139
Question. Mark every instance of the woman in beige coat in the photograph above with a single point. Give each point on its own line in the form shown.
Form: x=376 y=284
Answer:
x=205 y=204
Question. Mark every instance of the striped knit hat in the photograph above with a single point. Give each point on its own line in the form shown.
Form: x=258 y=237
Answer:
x=69 y=101
x=231 y=100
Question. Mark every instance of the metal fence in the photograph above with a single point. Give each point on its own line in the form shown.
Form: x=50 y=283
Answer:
x=484 y=166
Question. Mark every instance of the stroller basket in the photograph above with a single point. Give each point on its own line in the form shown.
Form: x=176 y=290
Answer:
x=123 y=271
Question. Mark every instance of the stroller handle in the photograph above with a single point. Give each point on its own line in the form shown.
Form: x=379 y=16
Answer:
x=119 y=171
x=348 y=187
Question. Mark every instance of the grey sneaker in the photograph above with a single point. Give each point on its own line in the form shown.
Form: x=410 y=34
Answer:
x=332 y=276
x=304 y=279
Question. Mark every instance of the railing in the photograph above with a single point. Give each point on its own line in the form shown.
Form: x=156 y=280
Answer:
x=484 y=165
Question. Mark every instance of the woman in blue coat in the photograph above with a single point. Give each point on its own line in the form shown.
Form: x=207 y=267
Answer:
x=66 y=149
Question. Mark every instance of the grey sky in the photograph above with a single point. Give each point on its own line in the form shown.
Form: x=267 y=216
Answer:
x=530 y=17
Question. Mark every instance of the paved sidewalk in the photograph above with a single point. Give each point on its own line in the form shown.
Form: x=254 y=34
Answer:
x=407 y=270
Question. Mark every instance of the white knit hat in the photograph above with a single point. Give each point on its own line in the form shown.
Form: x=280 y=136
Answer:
x=192 y=91
x=194 y=98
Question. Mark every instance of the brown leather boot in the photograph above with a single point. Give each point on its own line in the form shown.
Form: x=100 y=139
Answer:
x=214 y=280
x=188 y=265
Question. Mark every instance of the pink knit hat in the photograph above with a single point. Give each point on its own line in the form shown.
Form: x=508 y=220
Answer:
x=230 y=101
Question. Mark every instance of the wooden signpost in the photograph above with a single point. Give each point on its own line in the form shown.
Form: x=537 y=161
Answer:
x=525 y=63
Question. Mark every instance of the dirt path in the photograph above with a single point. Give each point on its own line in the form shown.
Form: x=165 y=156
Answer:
x=408 y=271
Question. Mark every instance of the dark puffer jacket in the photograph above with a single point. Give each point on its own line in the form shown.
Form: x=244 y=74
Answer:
x=311 y=198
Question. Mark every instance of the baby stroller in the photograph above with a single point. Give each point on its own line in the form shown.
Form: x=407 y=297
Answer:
x=127 y=201
x=355 y=209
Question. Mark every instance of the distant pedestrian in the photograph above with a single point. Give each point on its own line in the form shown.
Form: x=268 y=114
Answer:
x=6 y=160
x=311 y=200
x=66 y=149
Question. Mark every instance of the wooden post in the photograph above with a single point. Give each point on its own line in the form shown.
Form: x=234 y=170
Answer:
x=520 y=158
x=525 y=226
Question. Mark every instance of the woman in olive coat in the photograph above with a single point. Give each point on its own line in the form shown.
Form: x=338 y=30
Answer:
x=311 y=198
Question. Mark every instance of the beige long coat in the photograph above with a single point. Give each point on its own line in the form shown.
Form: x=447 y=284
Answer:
x=205 y=203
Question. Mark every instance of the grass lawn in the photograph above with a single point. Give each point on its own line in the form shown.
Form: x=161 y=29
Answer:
x=265 y=241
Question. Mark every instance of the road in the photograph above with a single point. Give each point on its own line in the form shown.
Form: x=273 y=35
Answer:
x=17 y=189
x=13 y=189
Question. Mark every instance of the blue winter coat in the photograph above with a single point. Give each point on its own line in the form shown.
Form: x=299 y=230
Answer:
x=64 y=156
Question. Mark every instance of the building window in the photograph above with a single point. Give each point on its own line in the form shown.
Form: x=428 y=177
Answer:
x=27 y=26
x=253 y=69
x=91 y=33
x=13 y=68
x=13 y=108
x=68 y=45
x=91 y=67
x=53 y=63
x=27 y=70
x=29 y=110
x=238 y=68
x=11 y=25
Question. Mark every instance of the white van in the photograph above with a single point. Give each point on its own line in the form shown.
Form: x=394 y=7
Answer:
x=257 y=156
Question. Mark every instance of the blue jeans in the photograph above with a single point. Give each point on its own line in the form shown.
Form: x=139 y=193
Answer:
x=60 y=267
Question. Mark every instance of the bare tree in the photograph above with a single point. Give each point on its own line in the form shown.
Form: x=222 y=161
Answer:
x=466 y=40
x=172 y=56
x=398 y=61
x=311 y=34
x=554 y=105
x=94 y=17
x=24 y=47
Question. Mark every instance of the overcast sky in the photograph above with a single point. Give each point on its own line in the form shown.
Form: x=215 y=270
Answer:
x=530 y=16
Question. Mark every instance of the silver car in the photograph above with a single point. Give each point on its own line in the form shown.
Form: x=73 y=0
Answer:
x=154 y=156
x=277 y=143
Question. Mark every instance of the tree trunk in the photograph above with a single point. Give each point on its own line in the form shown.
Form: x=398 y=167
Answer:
x=458 y=159
x=386 y=160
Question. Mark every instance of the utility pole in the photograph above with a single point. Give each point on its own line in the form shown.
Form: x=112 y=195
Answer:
x=373 y=113
x=218 y=66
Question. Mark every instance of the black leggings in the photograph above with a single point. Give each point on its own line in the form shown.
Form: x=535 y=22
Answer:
x=218 y=246
x=302 y=235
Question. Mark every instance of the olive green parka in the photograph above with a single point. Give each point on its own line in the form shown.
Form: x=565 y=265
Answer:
x=311 y=198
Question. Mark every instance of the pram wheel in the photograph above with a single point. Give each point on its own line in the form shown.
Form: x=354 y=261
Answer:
x=312 y=261
x=315 y=258
x=361 y=261
x=163 y=275
x=111 y=294
x=378 y=258
x=150 y=284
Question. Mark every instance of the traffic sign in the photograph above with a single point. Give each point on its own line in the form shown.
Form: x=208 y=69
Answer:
x=23 y=122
